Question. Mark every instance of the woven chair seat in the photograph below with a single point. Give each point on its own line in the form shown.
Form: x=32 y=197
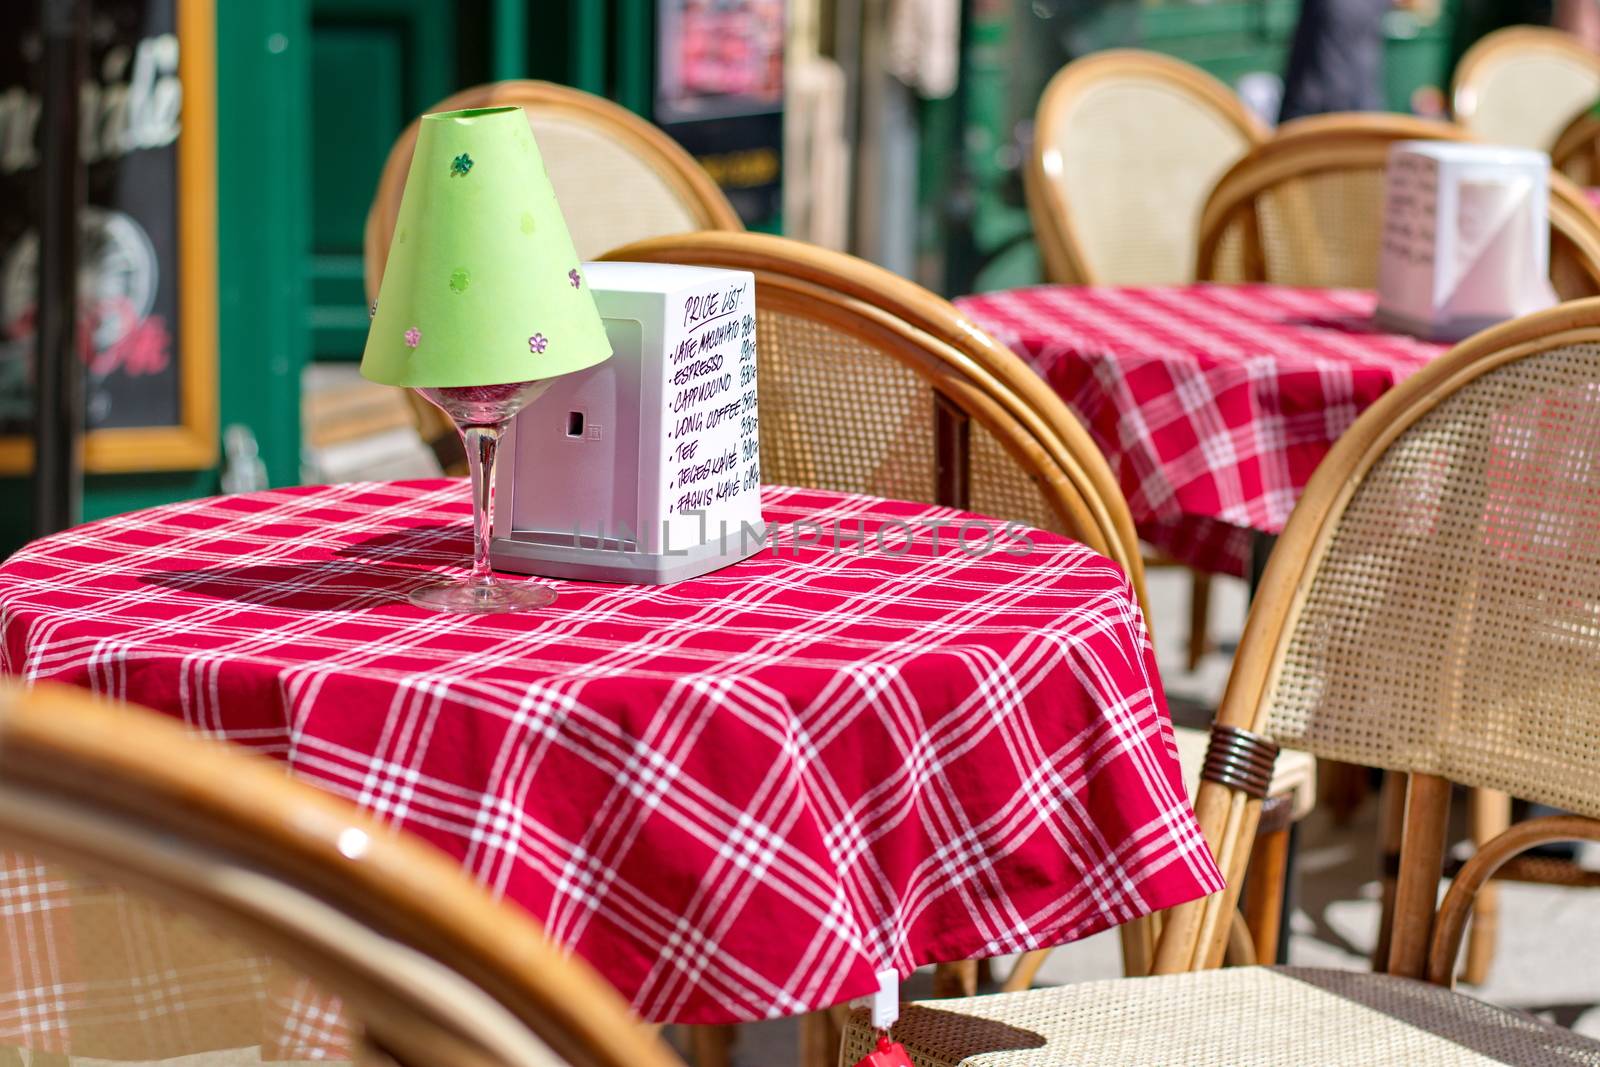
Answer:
x=1234 y=1017
x=1295 y=772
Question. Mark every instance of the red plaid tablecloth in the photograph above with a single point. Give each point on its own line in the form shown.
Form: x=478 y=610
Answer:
x=1213 y=403
x=737 y=797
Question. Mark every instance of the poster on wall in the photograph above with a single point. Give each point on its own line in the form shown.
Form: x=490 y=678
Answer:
x=147 y=245
x=719 y=93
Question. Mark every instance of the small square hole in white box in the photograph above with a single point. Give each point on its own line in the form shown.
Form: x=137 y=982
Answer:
x=575 y=424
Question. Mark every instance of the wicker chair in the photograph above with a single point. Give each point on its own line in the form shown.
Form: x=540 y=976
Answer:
x=1306 y=208
x=1577 y=150
x=1521 y=85
x=1431 y=610
x=193 y=901
x=599 y=155
x=870 y=383
x=1126 y=146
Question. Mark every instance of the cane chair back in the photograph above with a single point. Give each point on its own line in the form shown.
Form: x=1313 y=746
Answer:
x=1306 y=208
x=1433 y=607
x=871 y=384
x=1520 y=85
x=1574 y=240
x=193 y=901
x=1577 y=150
x=1126 y=146
x=617 y=178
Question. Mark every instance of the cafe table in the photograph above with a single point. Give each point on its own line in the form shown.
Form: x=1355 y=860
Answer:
x=1212 y=403
x=897 y=734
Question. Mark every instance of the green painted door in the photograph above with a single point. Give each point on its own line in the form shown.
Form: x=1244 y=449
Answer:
x=374 y=64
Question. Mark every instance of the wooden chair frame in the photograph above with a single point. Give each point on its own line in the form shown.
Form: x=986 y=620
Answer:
x=1066 y=260
x=433 y=965
x=1573 y=219
x=1425 y=940
x=1465 y=84
x=1347 y=141
x=1579 y=140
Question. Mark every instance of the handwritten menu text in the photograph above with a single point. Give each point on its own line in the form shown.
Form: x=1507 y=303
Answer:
x=713 y=426
x=1410 y=213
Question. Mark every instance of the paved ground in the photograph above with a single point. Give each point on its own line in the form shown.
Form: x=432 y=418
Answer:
x=1548 y=937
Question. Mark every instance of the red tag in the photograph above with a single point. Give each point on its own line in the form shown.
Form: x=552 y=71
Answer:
x=887 y=1054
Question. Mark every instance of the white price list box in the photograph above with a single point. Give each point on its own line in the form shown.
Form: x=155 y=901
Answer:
x=1466 y=238
x=647 y=467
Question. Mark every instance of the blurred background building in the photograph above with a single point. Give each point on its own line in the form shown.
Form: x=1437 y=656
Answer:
x=892 y=128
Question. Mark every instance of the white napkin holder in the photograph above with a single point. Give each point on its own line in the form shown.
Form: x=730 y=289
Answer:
x=645 y=468
x=1466 y=238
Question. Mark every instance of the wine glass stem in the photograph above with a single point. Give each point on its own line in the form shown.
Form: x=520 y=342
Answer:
x=482 y=443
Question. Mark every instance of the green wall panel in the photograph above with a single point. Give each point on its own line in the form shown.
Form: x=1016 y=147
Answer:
x=348 y=64
x=374 y=65
x=264 y=53
x=509 y=39
x=1228 y=39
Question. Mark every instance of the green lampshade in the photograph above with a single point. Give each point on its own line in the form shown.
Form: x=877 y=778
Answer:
x=482 y=285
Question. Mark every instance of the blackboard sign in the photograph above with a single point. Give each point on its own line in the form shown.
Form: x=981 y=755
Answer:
x=147 y=279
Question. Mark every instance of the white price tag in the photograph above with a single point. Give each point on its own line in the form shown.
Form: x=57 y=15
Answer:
x=886 y=1001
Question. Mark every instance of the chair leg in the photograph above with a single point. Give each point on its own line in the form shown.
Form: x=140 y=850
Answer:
x=1024 y=970
x=821 y=1033
x=1199 y=617
x=1416 y=890
x=955 y=979
x=1263 y=891
x=1392 y=818
x=1489 y=815
x=1241 y=950
x=711 y=1046
x=1138 y=946
x=1341 y=788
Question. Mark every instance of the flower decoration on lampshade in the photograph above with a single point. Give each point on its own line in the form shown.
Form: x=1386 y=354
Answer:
x=480 y=262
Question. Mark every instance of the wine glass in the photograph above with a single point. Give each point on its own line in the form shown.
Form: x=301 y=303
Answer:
x=480 y=413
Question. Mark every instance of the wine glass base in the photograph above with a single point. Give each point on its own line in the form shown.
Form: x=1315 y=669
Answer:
x=475 y=598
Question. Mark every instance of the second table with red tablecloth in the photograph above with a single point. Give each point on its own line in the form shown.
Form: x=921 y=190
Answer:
x=1212 y=403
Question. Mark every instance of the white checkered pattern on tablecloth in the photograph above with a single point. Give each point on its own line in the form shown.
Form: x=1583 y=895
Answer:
x=738 y=796
x=1213 y=403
